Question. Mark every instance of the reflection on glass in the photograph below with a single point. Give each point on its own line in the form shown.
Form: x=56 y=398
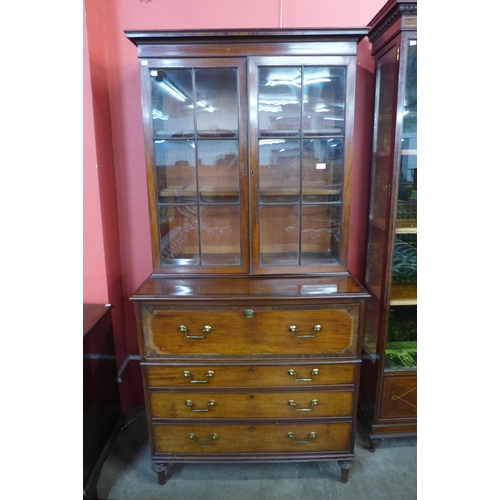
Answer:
x=178 y=234
x=279 y=101
x=200 y=104
x=305 y=174
x=175 y=171
x=407 y=195
x=220 y=235
x=382 y=169
x=410 y=99
x=279 y=235
x=171 y=94
x=320 y=234
x=216 y=102
x=324 y=101
x=322 y=167
x=401 y=347
x=279 y=170
x=218 y=171
x=404 y=264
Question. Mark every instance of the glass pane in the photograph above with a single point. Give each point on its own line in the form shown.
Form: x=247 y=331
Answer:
x=172 y=103
x=279 y=170
x=220 y=235
x=407 y=196
x=279 y=101
x=179 y=235
x=410 y=100
x=404 y=264
x=380 y=204
x=216 y=102
x=324 y=101
x=218 y=171
x=401 y=347
x=320 y=233
x=322 y=168
x=279 y=235
x=175 y=171
x=387 y=87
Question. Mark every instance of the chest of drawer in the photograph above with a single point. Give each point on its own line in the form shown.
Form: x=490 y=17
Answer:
x=205 y=404
x=254 y=438
x=252 y=375
x=239 y=331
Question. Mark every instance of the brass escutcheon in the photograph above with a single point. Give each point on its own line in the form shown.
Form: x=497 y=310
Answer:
x=249 y=313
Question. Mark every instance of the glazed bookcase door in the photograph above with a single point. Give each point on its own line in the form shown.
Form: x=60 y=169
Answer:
x=194 y=117
x=401 y=345
x=381 y=202
x=301 y=132
x=392 y=242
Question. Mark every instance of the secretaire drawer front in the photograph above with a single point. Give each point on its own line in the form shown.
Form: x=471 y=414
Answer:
x=251 y=405
x=257 y=438
x=293 y=375
x=252 y=331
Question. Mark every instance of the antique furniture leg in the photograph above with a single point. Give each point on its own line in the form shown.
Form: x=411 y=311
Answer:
x=345 y=467
x=160 y=469
x=374 y=444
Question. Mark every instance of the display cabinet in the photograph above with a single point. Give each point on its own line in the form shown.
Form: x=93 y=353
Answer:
x=250 y=324
x=388 y=393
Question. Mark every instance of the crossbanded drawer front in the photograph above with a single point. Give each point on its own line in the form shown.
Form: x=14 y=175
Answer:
x=293 y=375
x=251 y=405
x=330 y=331
x=253 y=438
x=399 y=397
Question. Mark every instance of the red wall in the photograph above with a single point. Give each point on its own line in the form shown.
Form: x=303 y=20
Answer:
x=117 y=251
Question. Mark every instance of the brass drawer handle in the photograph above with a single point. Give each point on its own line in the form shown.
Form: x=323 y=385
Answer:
x=208 y=375
x=184 y=329
x=292 y=373
x=314 y=402
x=193 y=409
x=294 y=329
x=312 y=435
x=213 y=437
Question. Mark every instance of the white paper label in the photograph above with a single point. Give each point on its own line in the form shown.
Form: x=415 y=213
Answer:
x=320 y=166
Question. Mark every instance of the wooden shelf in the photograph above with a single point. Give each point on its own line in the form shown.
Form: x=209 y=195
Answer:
x=403 y=294
x=406 y=226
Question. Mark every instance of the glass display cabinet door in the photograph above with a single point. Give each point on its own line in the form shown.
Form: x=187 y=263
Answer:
x=392 y=242
x=380 y=203
x=299 y=130
x=199 y=139
x=401 y=346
